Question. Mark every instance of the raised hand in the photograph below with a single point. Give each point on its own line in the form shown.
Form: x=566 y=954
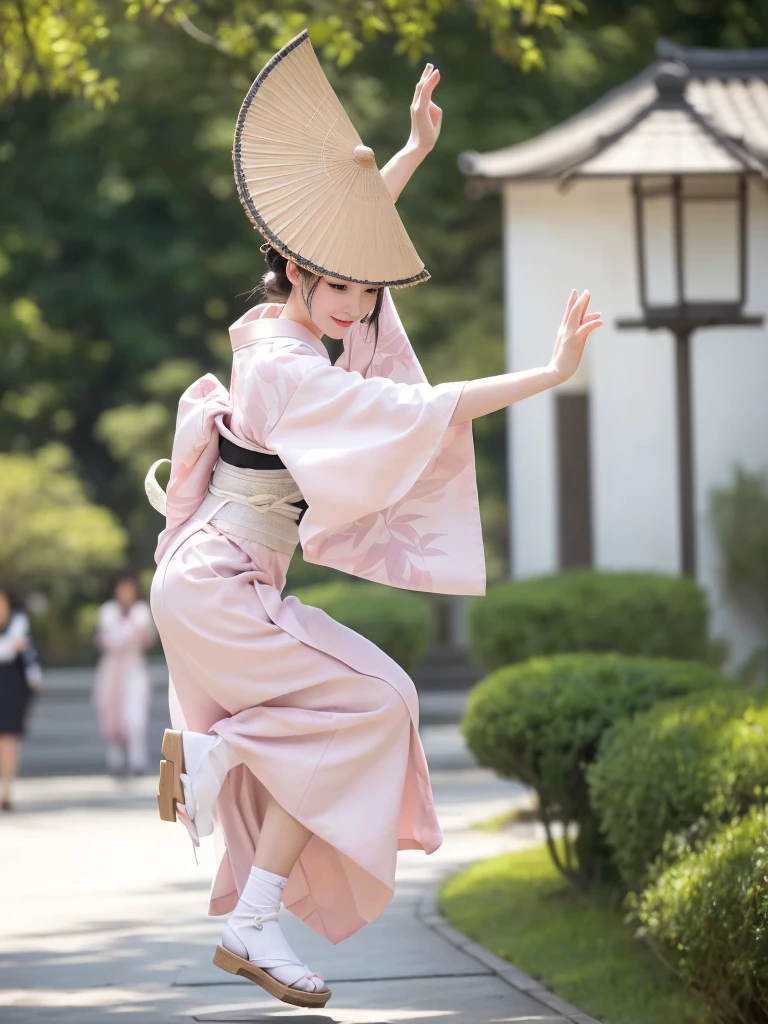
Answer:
x=426 y=116
x=572 y=336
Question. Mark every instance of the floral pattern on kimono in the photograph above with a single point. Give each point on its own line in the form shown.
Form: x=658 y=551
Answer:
x=390 y=484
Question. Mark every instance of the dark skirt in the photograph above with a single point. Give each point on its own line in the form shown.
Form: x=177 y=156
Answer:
x=15 y=698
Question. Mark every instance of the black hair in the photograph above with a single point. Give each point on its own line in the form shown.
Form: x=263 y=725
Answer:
x=128 y=574
x=277 y=287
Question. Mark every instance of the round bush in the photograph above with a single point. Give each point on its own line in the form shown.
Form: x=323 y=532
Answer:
x=684 y=766
x=582 y=610
x=541 y=721
x=400 y=623
x=709 y=911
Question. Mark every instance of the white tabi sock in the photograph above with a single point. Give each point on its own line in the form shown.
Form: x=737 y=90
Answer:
x=253 y=933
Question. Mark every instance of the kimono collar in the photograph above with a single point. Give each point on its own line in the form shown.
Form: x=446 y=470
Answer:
x=264 y=321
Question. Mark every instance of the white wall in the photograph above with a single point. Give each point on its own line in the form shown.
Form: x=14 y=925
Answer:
x=531 y=241
x=584 y=237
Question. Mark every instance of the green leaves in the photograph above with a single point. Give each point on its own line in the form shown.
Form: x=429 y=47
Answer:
x=541 y=721
x=709 y=913
x=584 y=610
x=57 y=49
x=51 y=48
x=41 y=492
x=669 y=777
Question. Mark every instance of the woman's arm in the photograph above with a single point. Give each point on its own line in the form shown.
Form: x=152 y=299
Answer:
x=426 y=118
x=489 y=394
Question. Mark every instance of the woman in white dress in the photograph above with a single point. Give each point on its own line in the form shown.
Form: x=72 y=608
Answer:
x=124 y=633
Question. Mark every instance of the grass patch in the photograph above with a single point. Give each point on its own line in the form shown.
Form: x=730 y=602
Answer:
x=517 y=816
x=518 y=906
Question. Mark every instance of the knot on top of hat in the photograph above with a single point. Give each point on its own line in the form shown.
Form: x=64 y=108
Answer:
x=363 y=155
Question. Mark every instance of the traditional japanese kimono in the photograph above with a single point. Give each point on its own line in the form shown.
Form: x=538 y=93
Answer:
x=122 y=688
x=323 y=720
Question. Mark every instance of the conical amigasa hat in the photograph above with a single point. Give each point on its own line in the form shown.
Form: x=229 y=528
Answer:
x=309 y=184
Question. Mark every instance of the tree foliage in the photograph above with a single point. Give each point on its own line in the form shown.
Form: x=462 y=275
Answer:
x=60 y=47
x=39 y=494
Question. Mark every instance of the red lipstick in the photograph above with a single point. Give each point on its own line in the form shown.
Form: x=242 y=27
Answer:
x=342 y=323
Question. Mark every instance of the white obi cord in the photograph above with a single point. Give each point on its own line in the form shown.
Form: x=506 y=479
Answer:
x=155 y=492
x=249 y=504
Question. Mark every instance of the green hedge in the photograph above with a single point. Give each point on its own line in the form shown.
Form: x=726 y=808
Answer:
x=541 y=721
x=709 y=913
x=583 y=610
x=402 y=624
x=682 y=768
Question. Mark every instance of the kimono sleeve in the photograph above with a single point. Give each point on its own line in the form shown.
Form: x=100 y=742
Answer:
x=374 y=463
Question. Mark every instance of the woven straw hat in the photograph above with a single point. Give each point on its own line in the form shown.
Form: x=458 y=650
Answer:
x=309 y=184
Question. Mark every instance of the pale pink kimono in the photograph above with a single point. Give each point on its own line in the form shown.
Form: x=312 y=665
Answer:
x=323 y=719
x=122 y=688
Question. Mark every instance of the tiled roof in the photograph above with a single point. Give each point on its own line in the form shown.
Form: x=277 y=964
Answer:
x=705 y=114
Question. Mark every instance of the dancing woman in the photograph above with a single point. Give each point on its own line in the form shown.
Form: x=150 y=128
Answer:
x=297 y=735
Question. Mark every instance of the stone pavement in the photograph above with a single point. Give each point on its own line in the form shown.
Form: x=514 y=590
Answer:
x=102 y=917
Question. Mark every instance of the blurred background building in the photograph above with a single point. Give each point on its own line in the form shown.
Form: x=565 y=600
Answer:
x=655 y=198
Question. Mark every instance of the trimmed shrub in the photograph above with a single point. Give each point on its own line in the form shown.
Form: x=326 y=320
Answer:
x=581 y=610
x=400 y=623
x=709 y=913
x=541 y=722
x=675 y=774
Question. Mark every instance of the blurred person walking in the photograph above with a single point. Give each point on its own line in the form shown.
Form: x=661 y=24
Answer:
x=20 y=677
x=124 y=633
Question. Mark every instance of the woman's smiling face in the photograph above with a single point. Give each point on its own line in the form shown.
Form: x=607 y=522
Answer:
x=336 y=304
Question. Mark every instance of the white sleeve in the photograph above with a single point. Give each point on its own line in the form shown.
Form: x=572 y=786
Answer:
x=18 y=626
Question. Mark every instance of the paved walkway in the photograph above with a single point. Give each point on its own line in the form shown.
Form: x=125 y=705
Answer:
x=102 y=917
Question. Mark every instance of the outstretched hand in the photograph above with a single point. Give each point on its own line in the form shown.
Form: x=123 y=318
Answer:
x=426 y=116
x=572 y=336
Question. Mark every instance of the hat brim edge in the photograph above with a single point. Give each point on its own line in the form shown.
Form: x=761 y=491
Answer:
x=247 y=201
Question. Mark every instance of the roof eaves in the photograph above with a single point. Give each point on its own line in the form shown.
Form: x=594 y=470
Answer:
x=487 y=170
x=750 y=162
x=470 y=162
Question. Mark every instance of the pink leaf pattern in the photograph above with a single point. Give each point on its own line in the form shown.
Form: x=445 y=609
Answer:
x=391 y=544
x=397 y=541
x=403 y=530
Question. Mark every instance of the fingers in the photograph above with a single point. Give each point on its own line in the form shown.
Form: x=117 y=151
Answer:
x=569 y=306
x=586 y=329
x=420 y=84
x=430 y=82
x=577 y=312
x=430 y=76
